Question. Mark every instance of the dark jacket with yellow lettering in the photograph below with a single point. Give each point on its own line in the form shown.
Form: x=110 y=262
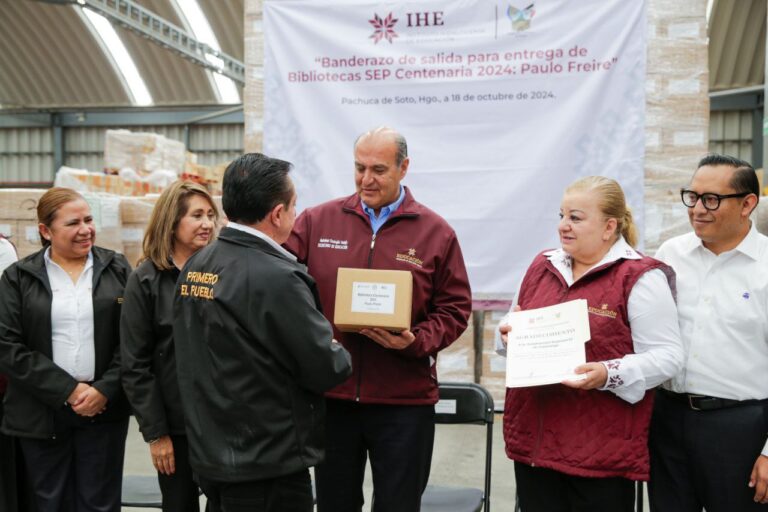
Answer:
x=37 y=386
x=414 y=238
x=148 y=354
x=254 y=355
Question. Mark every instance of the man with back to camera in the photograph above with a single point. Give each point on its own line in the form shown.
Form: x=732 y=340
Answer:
x=385 y=410
x=254 y=352
x=710 y=423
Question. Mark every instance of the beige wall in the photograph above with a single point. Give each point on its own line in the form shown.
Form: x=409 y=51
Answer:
x=677 y=111
x=253 y=97
x=677 y=105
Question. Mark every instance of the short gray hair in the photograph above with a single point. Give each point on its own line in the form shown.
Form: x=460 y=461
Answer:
x=402 y=145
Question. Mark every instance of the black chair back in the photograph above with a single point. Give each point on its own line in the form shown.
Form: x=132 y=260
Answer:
x=463 y=403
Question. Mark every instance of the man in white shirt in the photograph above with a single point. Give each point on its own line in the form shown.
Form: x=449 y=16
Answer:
x=710 y=424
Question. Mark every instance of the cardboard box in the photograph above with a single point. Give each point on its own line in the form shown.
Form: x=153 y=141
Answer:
x=142 y=152
x=20 y=203
x=26 y=237
x=133 y=237
x=105 y=209
x=373 y=298
x=137 y=210
x=456 y=362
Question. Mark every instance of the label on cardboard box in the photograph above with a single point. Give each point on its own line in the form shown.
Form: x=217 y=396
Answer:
x=6 y=230
x=376 y=298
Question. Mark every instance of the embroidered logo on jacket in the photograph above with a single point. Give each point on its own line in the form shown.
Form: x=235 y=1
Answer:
x=410 y=258
x=332 y=243
x=203 y=289
x=603 y=311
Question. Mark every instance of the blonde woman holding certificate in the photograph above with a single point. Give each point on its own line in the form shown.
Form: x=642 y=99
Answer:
x=580 y=444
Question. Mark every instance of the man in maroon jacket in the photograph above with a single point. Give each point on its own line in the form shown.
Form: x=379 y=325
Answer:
x=385 y=410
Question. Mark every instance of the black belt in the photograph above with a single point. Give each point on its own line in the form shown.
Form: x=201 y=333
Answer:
x=708 y=403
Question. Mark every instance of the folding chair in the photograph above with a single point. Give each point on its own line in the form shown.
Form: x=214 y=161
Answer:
x=463 y=403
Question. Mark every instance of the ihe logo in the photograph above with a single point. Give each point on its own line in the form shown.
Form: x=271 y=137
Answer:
x=425 y=19
x=383 y=28
x=520 y=18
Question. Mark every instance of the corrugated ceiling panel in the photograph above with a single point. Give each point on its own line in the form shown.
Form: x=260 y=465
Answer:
x=50 y=59
x=737 y=44
x=226 y=19
x=171 y=79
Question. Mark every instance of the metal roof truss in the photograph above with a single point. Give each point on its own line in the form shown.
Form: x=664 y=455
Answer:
x=130 y=15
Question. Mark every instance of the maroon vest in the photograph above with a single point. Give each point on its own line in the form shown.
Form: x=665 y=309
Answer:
x=588 y=433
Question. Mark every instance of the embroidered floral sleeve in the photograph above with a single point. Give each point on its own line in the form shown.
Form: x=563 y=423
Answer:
x=615 y=379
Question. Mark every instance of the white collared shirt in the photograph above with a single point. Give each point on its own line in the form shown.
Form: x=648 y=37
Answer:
x=259 y=234
x=72 y=320
x=7 y=254
x=723 y=309
x=652 y=321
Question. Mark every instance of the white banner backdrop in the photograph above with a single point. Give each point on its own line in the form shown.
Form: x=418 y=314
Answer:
x=503 y=104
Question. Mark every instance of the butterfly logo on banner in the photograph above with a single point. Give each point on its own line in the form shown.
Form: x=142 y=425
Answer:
x=520 y=18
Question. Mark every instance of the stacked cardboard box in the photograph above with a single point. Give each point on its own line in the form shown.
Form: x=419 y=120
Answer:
x=142 y=152
x=456 y=363
x=18 y=218
x=493 y=375
x=210 y=177
x=105 y=209
x=135 y=213
x=84 y=181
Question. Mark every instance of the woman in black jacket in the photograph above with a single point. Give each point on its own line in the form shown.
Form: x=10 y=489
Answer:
x=59 y=342
x=183 y=221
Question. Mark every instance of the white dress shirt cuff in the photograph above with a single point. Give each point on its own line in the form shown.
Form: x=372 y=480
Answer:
x=625 y=380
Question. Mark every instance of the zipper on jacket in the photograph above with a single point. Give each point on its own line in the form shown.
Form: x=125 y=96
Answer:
x=370 y=253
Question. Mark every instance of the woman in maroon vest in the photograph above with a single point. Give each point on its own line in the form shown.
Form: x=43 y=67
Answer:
x=579 y=445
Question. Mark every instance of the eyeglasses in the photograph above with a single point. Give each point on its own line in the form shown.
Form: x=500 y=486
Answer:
x=709 y=200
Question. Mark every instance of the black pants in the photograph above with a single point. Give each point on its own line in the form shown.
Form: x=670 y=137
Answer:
x=8 y=484
x=704 y=458
x=398 y=440
x=180 y=492
x=290 y=493
x=547 y=490
x=81 y=470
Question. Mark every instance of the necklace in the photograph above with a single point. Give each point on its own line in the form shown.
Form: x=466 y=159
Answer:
x=66 y=268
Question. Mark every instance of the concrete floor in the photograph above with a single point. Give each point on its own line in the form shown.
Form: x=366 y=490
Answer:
x=459 y=459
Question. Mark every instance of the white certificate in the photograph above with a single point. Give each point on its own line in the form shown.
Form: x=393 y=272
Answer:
x=373 y=298
x=547 y=344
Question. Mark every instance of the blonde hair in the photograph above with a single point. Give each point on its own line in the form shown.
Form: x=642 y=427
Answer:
x=170 y=207
x=49 y=204
x=611 y=202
